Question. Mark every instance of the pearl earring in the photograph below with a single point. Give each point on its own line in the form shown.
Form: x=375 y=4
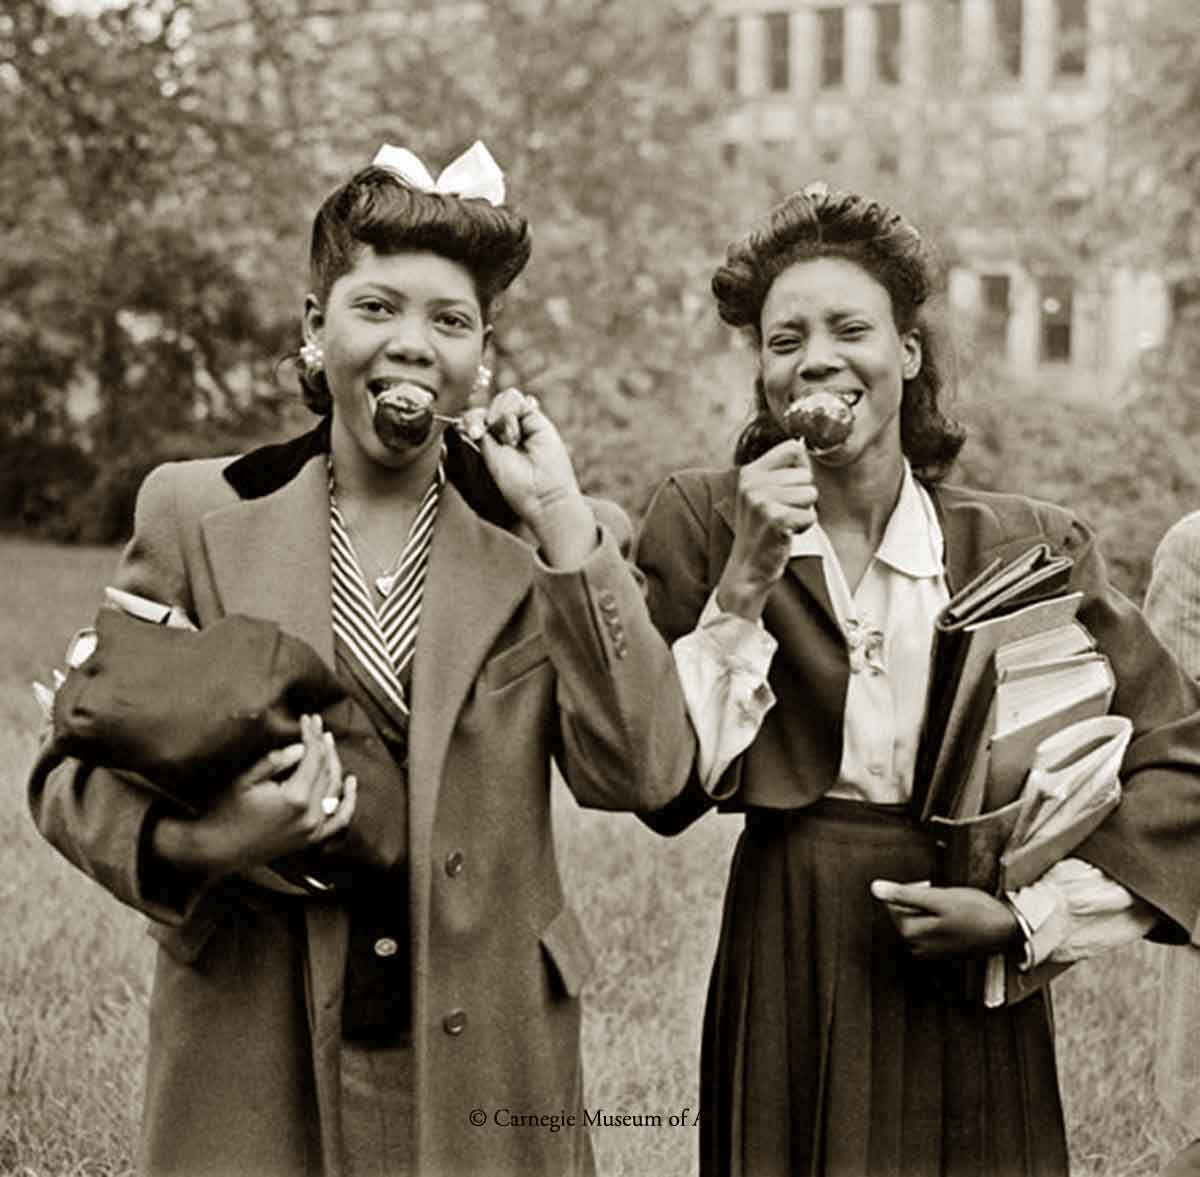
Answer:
x=483 y=380
x=313 y=358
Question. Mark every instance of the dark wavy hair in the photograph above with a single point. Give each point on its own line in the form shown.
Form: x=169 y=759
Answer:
x=818 y=222
x=376 y=208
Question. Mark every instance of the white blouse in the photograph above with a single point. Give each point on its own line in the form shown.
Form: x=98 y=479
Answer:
x=1071 y=912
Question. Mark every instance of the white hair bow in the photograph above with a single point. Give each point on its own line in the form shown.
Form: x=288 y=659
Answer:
x=473 y=174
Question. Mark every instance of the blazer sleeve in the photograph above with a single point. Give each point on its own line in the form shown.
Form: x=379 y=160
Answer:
x=673 y=556
x=93 y=817
x=626 y=742
x=1151 y=842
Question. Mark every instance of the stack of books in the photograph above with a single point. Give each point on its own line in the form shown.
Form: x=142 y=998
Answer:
x=1018 y=760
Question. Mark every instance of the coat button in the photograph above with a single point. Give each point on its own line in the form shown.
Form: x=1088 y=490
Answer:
x=608 y=603
x=455 y=1021
x=385 y=946
x=455 y=861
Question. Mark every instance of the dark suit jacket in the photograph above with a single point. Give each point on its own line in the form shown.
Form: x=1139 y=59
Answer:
x=516 y=666
x=1150 y=844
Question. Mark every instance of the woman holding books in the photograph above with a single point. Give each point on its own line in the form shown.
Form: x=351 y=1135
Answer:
x=800 y=589
x=443 y=562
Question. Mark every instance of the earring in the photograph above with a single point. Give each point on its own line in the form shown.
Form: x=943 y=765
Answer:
x=313 y=358
x=483 y=380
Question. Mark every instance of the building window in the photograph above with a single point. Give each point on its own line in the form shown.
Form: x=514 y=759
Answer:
x=1008 y=20
x=995 y=292
x=1056 y=320
x=1072 y=39
x=831 y=27
x=727 y=65
x=887 y=42
x=779 y=62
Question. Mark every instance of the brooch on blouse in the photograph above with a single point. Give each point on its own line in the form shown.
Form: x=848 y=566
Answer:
x=866 y=647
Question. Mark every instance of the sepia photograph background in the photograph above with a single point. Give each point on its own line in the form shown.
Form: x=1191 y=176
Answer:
x=162 y=163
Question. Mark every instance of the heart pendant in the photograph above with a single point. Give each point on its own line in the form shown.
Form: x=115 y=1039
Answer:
x=385 y=584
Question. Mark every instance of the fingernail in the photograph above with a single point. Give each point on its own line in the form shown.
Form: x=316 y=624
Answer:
x=351 y=781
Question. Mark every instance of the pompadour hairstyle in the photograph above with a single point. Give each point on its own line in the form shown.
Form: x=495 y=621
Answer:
x=817 y=223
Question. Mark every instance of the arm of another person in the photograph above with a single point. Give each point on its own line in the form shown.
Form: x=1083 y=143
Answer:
x=1173 y=611
x=1173 y=598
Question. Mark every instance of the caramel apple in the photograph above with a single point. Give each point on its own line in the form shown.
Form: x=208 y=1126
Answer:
x=403 y=415
x=821 y=419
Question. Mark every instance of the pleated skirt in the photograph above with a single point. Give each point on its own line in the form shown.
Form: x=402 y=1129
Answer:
x=830 y=1051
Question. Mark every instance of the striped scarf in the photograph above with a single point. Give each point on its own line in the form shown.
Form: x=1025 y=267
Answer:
x=382 y=640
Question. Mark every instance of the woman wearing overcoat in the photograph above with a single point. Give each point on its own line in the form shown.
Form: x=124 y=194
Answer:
x=396 y=1029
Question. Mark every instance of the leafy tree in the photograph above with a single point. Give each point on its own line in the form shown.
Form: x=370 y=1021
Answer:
x=589 y=109
x=128 y=320
x=168 y=157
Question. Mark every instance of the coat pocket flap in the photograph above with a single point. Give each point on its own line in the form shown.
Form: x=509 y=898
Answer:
x=184 y=942
x=565 y=944
x=510 y=664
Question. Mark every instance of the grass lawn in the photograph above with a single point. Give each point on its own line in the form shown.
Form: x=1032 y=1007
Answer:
x=74 y=968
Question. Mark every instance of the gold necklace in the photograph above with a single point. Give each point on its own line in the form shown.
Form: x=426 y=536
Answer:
x=386 y=580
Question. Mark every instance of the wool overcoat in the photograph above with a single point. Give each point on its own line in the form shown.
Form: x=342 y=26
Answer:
x=517 y=666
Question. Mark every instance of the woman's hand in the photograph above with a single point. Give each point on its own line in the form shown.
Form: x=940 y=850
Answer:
x=292 y=799
x=938 y=922
x=776 y=498
x=531 y=466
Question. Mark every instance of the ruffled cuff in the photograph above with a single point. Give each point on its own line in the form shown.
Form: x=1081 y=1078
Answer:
x=723 y=665
x=1075 y=911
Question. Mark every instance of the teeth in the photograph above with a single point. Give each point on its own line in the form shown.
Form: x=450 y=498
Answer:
x=848 y=397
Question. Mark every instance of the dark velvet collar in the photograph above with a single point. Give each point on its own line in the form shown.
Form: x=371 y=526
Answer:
x=263 y=471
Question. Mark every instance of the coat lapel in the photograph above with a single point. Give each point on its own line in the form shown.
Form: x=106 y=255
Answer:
x=476 y=577
x=974 y=536
x=270 y=556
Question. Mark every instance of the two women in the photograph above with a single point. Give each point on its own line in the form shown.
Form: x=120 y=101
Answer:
x=473 y=605
x=800 y=589
x=478 y=608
